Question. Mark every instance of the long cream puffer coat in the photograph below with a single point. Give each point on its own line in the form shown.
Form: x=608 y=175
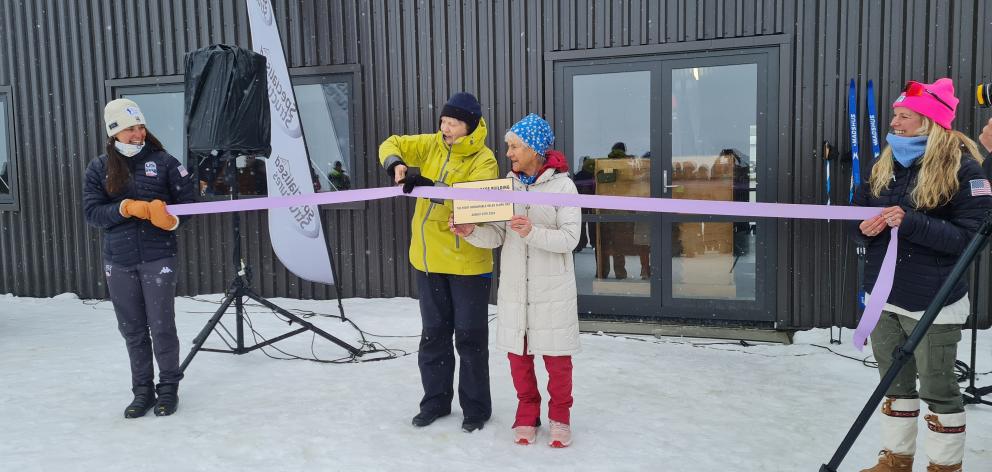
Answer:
x=537 y=296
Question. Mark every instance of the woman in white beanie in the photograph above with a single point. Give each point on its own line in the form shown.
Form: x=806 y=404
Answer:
x=125 y=194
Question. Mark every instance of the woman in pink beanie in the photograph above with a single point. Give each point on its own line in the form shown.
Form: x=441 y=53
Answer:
x=930 y=182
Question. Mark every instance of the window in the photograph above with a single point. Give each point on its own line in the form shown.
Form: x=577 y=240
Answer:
x=7 y=169
x=161 y=101
x=164 y=113
x=611 y=109
x=325 y=105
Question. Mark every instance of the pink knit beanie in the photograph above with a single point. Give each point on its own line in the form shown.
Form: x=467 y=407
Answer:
x=935 y=101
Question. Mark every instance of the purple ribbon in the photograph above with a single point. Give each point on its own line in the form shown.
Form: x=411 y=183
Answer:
x=656 y=205
x=873 y=311
x=883 y=284
x=248 y=204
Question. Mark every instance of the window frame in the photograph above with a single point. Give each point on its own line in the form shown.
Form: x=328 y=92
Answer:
x=9 y=201
x=350 y=73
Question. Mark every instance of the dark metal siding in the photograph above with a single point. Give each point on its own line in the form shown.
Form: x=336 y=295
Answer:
x=57 y=57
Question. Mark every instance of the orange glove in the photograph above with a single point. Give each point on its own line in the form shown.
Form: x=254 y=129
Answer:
x=160 y=216
x=135 y=208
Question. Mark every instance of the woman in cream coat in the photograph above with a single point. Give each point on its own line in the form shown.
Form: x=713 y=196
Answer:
x=537 y=309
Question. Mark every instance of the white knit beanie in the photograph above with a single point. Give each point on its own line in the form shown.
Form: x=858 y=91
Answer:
x=121 y=114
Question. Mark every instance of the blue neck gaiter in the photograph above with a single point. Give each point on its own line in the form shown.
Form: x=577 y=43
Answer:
x=906 y=149
x=526 y=179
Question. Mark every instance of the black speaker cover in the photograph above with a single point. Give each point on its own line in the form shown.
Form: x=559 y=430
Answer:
x=227 y=103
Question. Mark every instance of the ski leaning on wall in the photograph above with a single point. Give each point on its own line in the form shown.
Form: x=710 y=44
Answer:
x=827 y=157
x=852 y=120
x=875 y=152
x=876 y=149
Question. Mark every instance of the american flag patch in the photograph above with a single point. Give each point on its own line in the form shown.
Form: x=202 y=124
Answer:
x=980 y=187
x=182 y=171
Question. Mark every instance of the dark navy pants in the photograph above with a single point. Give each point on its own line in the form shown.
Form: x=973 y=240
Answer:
x=455 y=305
x=144 y=298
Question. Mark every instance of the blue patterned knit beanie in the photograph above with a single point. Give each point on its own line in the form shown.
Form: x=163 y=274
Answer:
x=534 y=132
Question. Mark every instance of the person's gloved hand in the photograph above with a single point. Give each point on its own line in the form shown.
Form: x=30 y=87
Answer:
x=135 y=208
x=160 y=216
x=414 y=179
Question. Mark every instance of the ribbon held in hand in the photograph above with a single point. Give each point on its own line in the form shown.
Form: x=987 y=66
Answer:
x=414 y=179
x=880 y=293
x=160 y=217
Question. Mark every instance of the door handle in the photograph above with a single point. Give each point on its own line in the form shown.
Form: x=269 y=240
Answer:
x=665 y=182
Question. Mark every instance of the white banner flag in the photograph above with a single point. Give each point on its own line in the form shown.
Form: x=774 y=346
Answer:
x=296 y=233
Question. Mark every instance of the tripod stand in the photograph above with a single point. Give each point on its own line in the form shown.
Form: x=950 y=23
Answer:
x=240 y=288
x=904 y=353
x=973 y=395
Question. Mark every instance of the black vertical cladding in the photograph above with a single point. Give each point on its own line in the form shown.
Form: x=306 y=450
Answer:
x=411 y=55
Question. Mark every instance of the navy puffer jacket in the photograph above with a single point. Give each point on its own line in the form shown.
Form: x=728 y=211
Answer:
x=155 y=174
x=930 y=241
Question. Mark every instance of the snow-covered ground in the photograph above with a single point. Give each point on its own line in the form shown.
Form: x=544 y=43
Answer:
x=641 y=403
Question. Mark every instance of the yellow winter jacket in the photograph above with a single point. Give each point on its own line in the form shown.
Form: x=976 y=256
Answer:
x=434 y=248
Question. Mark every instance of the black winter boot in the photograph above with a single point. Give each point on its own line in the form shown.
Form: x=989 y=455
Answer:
x=144 y=400
x=425 y=418
x=473 y=424
x=168 y=399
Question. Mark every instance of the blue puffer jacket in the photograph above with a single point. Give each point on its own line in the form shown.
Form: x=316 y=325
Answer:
x=930 y=241
x=155 y=174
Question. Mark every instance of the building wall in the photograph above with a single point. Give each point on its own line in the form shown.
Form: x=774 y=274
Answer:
x=57 y=56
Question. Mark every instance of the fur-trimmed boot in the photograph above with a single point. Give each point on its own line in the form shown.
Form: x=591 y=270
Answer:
x=945 y=441
x=899 y=424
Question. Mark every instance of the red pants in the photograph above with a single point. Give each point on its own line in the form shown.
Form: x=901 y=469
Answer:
x=529 y=398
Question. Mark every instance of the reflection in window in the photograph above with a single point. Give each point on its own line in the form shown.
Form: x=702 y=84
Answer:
x=727 y=177
x=612 y=139
x=714 y=260
x=714 y=132
x=5 y=150
x=616 y=241
x=714 y=116
x=164 y=112
x=611 y=115
x=325 y=110
x=619 y=263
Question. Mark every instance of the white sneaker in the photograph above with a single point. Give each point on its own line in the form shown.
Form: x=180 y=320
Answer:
x=525 y=435
x=561 y=435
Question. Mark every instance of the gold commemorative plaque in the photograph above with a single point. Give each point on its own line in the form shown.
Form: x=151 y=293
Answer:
x=467 y=211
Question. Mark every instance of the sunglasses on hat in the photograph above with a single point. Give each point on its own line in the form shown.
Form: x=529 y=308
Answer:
x=916 y=89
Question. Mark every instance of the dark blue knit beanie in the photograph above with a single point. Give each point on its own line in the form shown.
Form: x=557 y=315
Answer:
x=464 y=106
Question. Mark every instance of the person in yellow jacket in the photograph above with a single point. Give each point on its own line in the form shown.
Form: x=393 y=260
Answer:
x=453 y=277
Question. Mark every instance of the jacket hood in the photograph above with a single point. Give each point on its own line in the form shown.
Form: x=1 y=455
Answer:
x=555 y=160
x=467 y=145
x=552 y=160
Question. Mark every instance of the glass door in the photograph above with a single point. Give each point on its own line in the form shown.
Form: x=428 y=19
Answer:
x=613 y=118
x=689 y=126
x=719 y=149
